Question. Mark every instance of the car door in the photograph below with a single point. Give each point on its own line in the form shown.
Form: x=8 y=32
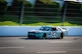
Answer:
x=53 y=32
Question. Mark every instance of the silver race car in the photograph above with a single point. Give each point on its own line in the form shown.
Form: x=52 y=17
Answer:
x=48 y=32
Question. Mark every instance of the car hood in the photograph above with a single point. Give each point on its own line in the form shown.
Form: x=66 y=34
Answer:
x=35 y=31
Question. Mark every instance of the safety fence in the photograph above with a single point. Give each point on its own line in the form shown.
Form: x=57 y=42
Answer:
x=54 y=12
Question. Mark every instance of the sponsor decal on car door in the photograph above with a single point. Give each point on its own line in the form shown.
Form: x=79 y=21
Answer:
x=53 y=34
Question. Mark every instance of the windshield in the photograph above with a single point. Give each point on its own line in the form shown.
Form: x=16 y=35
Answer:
x=45 y=28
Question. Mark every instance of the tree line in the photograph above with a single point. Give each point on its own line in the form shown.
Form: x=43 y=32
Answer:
x=41 y=8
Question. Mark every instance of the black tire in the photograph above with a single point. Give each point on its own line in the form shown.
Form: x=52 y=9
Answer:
x=61 y=36
x=44 y=36
x=28 y=36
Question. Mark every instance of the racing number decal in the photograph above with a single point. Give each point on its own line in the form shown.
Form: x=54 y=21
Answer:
x=53 y=34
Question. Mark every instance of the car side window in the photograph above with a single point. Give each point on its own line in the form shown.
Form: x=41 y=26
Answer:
x=53 y=29
x=47 y=29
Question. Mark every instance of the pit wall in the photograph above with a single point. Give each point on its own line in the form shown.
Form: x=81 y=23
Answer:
x=23 y=30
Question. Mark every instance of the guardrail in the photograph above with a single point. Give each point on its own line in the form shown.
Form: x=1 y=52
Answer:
x=23 y=30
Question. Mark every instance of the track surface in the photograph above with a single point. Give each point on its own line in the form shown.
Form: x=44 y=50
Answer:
x=22 y=45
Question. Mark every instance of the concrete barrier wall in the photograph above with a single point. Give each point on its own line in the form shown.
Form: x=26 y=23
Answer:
x=23 y=30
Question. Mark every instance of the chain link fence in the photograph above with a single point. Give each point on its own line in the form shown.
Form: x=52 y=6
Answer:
x=27 y=13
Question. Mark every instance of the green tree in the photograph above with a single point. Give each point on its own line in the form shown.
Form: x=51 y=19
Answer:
x=73 y=12
x=46 y=8
x=16 y=6
x=47 y=1
x=3 y=6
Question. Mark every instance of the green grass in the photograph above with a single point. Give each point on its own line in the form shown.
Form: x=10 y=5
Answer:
x=10 y=23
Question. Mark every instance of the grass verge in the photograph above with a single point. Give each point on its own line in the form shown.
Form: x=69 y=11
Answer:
x=11 y=23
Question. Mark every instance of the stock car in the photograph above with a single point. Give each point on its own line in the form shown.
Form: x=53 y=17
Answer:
x=48 y=32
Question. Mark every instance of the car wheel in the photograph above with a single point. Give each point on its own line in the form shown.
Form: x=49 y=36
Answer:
x=61 y=36
x=44 y=36
x=28 y=37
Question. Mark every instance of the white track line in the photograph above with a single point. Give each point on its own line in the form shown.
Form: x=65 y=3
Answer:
x=52 y=52
x=10 y=47
x=61 y=42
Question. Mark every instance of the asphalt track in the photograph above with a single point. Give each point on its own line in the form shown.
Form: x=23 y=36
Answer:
x=23 y=45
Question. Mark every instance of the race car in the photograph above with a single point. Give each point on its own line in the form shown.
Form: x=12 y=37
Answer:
x=48 y=32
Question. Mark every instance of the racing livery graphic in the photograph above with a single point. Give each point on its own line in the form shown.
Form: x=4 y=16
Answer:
x=48 y=32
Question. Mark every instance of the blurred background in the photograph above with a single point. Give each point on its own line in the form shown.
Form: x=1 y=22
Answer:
x=40 y=12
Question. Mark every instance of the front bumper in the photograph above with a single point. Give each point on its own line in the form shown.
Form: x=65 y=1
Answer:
x=32 y=36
